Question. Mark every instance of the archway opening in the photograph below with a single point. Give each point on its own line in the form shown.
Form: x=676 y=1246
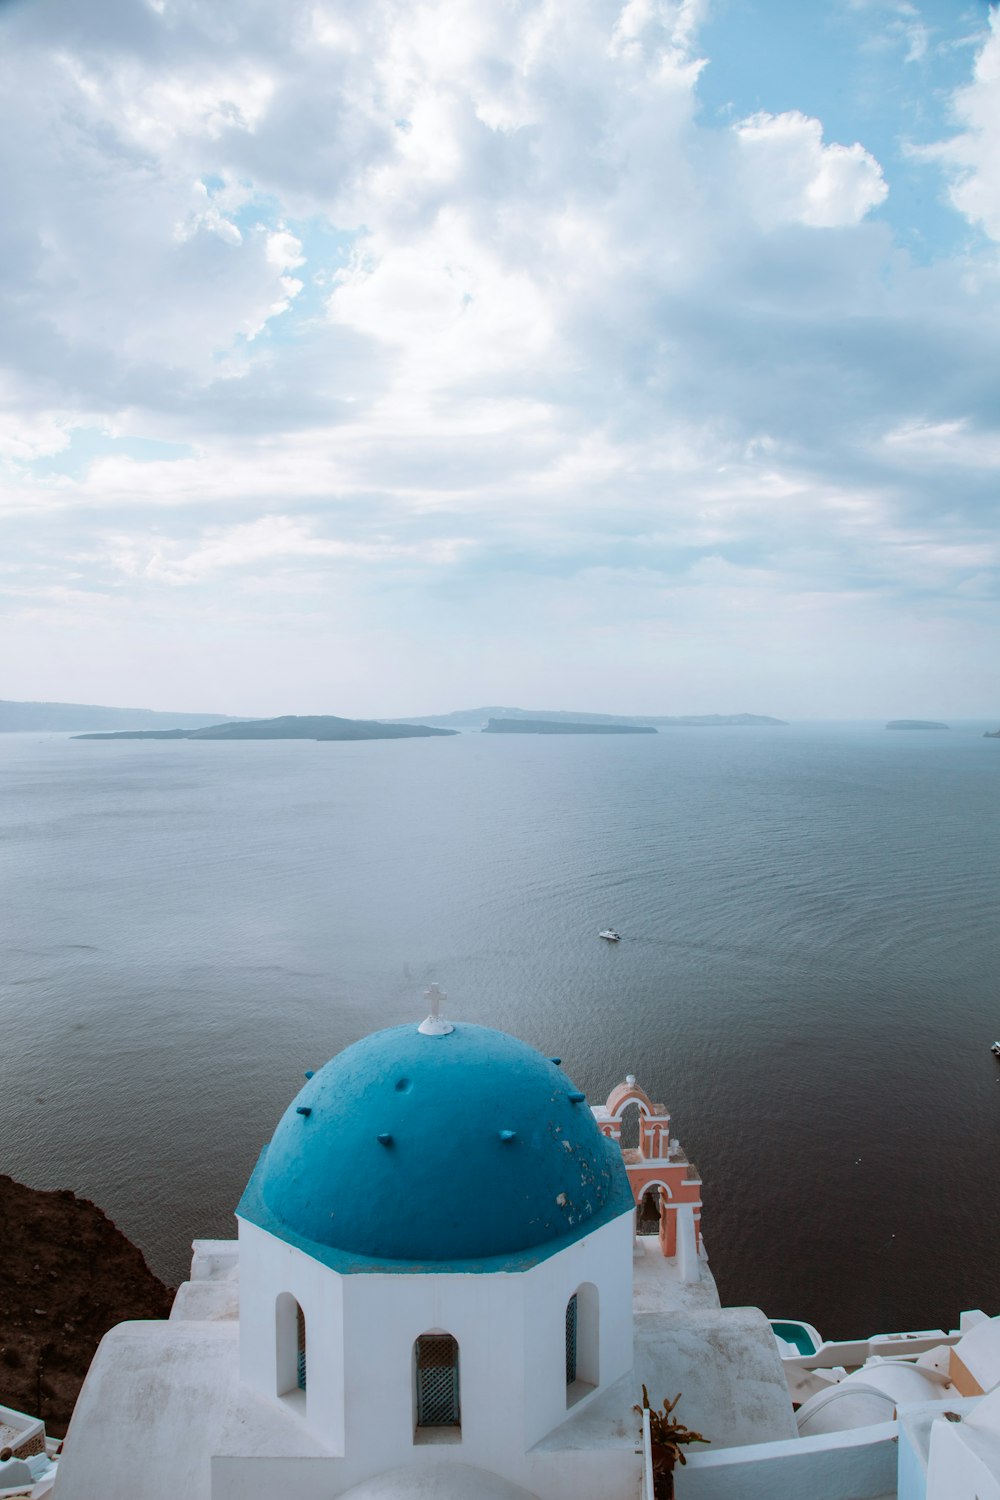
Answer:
x=582 y=1339
x=289 y=1347
x=631 y=1127
x=648 y=1217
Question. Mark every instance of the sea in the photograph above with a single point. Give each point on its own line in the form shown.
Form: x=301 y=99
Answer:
x=808 y=977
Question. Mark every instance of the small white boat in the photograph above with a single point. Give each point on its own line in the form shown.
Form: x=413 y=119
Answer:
x=995 y=1049
x=611 y=936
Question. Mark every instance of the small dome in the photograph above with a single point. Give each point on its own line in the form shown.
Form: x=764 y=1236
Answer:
x=415 y=1148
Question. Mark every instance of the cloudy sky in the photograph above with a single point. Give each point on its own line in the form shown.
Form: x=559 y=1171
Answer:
x=389 y=356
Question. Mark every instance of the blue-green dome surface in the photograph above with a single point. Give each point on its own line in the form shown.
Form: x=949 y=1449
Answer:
x=429 y=1151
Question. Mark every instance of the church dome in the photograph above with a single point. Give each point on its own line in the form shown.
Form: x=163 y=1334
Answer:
x=436 y=1148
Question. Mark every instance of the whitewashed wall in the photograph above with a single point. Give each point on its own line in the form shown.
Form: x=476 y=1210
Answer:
x=605 y=1259
x=361 y=1329
x=269 y=1267
x=854 y=1465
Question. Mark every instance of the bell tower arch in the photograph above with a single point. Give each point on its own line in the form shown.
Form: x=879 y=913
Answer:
x=662 y=1179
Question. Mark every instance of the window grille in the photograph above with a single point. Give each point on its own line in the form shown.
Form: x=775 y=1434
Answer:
x=571 y=1322
x=437 y=1381
x=300 y=1362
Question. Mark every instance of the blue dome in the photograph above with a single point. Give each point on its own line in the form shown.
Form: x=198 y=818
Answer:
x=423 y=1149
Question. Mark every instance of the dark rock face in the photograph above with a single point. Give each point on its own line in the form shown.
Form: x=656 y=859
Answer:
x=67 y=1275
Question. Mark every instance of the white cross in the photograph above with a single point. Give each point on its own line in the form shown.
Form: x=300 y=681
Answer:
x=435 y=1024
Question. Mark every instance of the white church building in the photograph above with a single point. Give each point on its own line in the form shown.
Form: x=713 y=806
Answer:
x=438 y=1289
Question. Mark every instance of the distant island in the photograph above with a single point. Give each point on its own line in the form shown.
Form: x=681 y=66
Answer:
x=97 y=721
x=289 y=727
x=20 y=717
x=478 y=718
x=914 y=724
x=717 y=721
x=559 y=726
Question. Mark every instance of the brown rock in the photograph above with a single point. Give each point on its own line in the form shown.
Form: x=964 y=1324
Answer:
x=64 y=1263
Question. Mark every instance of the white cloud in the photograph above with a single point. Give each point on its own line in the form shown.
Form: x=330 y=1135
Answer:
x=429 y=289
x=670 y=27
x=791 y=177
x=25 y=437
x=207 y=215
x=154 y=108
x=954 y=442
x=451 y=305
x=270 y=539
x=972 y=158
x=131 y=258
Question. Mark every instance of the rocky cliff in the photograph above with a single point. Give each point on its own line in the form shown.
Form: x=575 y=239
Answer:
x=67 y=1275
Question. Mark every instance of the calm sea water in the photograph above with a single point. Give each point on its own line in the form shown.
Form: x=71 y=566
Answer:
x=809 y=977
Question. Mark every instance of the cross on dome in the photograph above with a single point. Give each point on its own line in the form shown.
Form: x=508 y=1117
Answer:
x=435 y=1024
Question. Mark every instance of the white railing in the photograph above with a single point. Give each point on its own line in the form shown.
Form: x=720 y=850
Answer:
x=807 y=1374
x=853 y=1352
x=647 y=1457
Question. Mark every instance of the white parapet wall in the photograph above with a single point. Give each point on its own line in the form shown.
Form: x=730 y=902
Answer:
x=856 y=1465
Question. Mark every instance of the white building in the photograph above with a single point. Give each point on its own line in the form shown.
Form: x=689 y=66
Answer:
x=438 y=1289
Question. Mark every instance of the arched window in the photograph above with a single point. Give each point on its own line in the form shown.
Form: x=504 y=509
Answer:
x=631 y=1127
x=438 y=1408
x=289 y=1347
x=582 y=1338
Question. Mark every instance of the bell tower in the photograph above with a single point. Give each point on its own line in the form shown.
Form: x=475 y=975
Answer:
x=665 y=1185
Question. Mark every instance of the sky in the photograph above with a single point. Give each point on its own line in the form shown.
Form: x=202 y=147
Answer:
x=392 y=356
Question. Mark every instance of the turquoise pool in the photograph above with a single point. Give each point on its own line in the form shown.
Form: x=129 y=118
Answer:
x=798 y=1334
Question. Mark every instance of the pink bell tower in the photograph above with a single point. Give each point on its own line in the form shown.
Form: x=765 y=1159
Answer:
x=665 y=1185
